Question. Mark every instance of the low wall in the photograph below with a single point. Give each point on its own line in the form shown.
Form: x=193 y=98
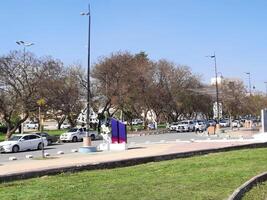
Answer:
x=239 y=192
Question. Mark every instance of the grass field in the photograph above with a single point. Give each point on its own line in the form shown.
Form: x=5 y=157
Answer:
x=257 y=193
x=214 y=176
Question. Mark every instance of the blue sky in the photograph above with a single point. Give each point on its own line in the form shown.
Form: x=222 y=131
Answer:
x=182 y=31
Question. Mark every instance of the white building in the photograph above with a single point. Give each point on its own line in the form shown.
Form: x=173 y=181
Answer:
x=83 y=116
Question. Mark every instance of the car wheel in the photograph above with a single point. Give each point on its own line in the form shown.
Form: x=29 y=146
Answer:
x=74 y=139
x=92 y=137
x=15 y=149
x=40 y=146
x=49 y=142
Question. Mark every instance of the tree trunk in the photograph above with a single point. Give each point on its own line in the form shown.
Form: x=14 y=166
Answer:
x=60 y=122
x=71 y=121
x=10 y=129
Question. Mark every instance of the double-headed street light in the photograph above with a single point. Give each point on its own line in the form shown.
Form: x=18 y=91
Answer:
x=24 y=44
x=216 y=85
x=88 y=70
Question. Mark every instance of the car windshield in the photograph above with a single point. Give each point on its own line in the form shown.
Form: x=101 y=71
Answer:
x=73 y=130
x=175 y=123
x=184 y=122
x=14 y=138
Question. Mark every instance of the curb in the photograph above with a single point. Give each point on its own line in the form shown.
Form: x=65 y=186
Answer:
x=239 y=192
x=121 y=163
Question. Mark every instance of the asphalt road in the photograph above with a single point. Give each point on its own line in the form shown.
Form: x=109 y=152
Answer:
x=132 y=141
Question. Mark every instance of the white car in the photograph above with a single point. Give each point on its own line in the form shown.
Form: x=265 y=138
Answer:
x=32 y=125
x=224 y=123
x=212 y=122
x=186 y=126
x=173 y=126
x=76 y=134
x=137 y=121
x=23 y=142
x=200 y=126
x=236 y=123
x=65 y=126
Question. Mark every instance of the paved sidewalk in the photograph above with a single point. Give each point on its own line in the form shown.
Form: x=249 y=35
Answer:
x=77 y=159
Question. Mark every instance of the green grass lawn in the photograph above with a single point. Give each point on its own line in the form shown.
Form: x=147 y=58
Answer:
x=214 y=176
x=141 y=127
x=56 y=132
x=259 y=192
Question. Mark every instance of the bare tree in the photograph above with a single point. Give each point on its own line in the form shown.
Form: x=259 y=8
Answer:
x=232 y=96
x=19 y=75
x=61 y=89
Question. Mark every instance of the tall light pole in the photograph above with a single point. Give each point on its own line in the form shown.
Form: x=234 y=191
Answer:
x=265 y=88
x=249 y=82
x=88 y=70
x=216 y=85
x=24 y=44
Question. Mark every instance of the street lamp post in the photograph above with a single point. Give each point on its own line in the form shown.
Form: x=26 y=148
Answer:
x=249 y=82
x=87 y=148
x=216 y=85
x=265 y=88
x=24 y=44
x=88 y=70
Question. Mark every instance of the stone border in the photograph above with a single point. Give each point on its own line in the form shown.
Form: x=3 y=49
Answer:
x=247 y=186
x=121 y=163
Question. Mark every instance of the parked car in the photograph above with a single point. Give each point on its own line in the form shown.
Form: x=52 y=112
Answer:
x=31 y=125
x=212 y=122
x=224 y=123
x=77 y=134
x=137 y=121
x=236 y=124
x=173 y=126
x=200 y=126
x=186 y=126
x=65 y=126
x=23 y=142
x=50 y=138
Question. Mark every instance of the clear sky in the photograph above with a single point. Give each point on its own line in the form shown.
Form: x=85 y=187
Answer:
x=182 y=31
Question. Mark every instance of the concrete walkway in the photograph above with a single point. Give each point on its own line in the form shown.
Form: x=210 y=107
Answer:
x=141 y=151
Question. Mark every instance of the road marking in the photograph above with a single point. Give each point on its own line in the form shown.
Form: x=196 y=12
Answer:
x=46 y=154
x=29 y=156
x=12 y=158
